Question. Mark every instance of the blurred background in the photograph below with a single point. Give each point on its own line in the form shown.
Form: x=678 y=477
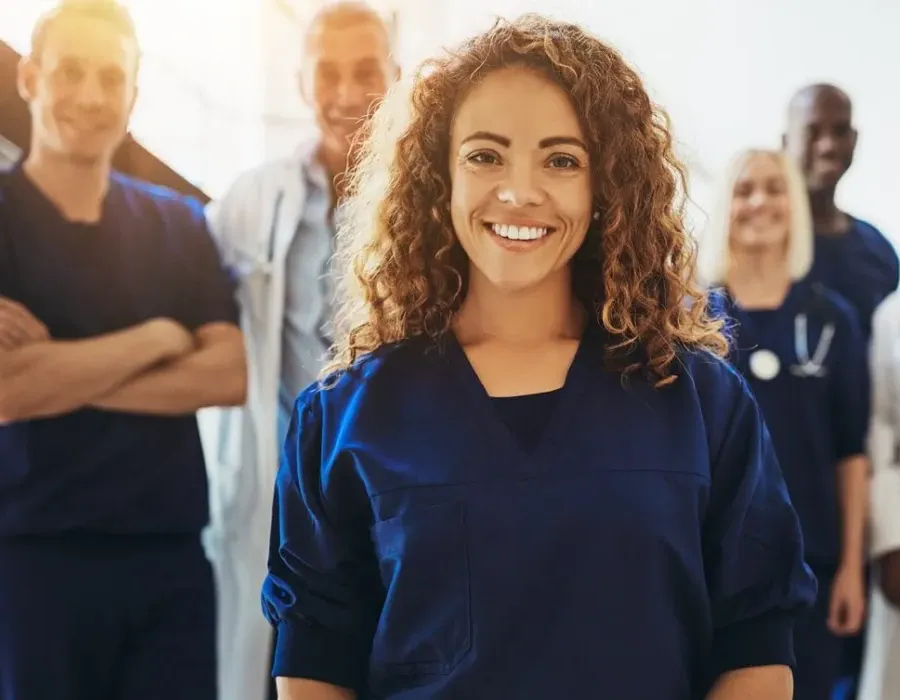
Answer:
x=218 y=84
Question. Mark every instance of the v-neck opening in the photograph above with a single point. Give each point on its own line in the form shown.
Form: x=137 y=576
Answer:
x=36 y=197
x=754 y=323
x=494 y=430
x=525 y=415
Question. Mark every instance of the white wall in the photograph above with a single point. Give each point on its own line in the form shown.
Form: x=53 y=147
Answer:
x=201 y=94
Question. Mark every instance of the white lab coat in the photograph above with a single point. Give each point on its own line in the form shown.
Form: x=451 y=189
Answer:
x=254 y=224
x=881 y=667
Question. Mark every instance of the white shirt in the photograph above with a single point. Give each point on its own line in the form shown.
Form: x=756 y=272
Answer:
x=881 y=666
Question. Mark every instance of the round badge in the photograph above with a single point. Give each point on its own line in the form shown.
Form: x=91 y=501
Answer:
x=764 y=364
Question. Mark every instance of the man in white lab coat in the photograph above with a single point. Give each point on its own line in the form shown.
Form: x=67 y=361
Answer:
x=275 y=228
x=881 y=664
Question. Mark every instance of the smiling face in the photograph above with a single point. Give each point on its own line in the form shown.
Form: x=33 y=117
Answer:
x=760 y=206
x=81 y=88
x=347 y=69
x=820 y=137
x=520 y=175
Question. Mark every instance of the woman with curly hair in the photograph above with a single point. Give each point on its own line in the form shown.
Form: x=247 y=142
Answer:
x=803 y=353
x=528 y=473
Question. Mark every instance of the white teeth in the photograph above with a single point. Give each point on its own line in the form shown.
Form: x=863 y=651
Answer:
x=519 y=233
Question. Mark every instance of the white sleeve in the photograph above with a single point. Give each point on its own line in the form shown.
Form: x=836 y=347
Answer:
x=884 y=509
x=235 y=217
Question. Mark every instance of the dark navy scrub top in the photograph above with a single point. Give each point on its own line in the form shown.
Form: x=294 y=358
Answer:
x=816 y=418
x=151 y=255
x=640 y=546
x=861 y=266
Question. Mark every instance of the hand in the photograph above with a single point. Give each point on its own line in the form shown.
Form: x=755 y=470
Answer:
x=18 y=326
x=847 y=607
x=889 y=576
x=174 y=339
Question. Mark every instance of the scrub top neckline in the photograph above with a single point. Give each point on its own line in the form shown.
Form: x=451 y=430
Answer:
x=37 y=197
x=748 y=333
x=497 y=433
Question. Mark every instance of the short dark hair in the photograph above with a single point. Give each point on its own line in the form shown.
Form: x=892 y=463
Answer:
x=105 y=10
x=818 y=91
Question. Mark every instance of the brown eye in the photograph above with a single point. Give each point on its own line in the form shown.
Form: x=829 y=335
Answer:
x=564 y=162
x=484 y=158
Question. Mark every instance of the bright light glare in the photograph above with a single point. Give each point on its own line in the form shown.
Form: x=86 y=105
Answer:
x=200 y=96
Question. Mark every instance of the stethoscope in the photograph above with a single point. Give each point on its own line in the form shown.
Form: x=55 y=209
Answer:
x=765 y=365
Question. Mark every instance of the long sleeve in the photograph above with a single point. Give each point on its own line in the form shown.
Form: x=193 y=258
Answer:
x=234 y=221
x=884 y=510
x=756 y=576
x=322 y=593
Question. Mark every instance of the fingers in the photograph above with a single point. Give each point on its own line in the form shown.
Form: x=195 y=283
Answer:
x=846 y=614
x=18 y=326
x=836 y=610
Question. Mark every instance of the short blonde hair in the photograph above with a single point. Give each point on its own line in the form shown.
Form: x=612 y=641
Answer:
x=714 y=258
x=109 y=11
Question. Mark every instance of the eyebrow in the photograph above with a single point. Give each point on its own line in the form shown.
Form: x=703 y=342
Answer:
x=368 y=63
x=544 y=143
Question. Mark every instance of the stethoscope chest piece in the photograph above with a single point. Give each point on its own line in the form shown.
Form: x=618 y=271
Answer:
x=765 y=365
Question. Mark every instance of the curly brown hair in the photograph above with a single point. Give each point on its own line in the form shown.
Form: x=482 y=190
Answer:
x=405 y=271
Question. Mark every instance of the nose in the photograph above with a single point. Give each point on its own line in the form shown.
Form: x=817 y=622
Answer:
x=521 y=187
x=757 y=199
x=348 y=94
x=90 y=92
x=827 y=144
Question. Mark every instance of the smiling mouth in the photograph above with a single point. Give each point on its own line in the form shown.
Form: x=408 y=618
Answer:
x=85 y=127
x=525 y=234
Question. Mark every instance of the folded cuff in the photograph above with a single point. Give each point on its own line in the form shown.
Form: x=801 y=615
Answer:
x=766 y=640
x=303 y=650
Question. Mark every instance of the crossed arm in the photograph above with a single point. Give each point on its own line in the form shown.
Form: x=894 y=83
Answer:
x=213 y=373
x=157 y=367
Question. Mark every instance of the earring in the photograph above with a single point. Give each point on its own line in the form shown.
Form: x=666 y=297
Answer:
x=596 y=216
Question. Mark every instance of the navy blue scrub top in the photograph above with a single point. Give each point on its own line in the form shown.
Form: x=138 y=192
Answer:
x=643 y=544
x=861 y=265
x=150 y=255
x=816 y=418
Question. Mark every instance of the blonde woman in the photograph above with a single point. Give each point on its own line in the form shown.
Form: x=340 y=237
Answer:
x=801 y=349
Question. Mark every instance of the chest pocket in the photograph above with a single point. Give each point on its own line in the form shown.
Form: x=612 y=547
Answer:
x=425 y=624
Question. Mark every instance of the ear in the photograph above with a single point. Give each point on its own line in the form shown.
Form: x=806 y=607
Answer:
x=136 y=89
x=854 y=140
x=26 y=78
x=134 y=98
x=397 y=72
x=784 y=141
x=302 y=87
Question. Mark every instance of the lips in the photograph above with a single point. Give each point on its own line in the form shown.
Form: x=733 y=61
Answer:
x=345 y=123
x=85 y=126
x=521 y=233
x=829 y=165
